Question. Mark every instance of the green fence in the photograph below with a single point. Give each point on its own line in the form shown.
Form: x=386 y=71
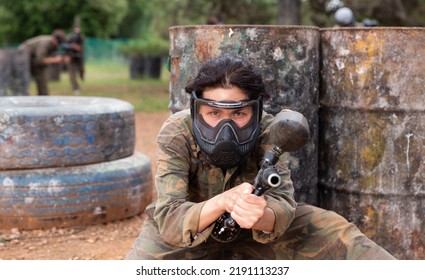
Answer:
x=102 y=49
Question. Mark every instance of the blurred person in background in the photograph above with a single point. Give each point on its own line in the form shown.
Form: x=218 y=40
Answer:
x=75 y=50
x=42 y=52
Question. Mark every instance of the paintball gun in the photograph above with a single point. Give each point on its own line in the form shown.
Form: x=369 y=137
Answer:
x=65 y=47
x=289 y=131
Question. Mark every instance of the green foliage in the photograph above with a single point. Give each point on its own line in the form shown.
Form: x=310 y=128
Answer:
x=101 y=18
x=137 y=20
x=151 y=45
x=193 y=12
x=31 y=18
x=24 y=19
x=5 y=18
x=157 y=16
x=247 y=11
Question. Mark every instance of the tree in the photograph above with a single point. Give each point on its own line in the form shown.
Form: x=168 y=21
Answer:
x=23 y=19
x=289 y=12
x=102 y=18
x=5 y=17
x=137 y=21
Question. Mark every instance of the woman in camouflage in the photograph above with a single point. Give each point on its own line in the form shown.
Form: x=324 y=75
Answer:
x=208 y=158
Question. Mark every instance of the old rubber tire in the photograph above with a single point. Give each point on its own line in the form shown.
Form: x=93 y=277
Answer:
x=75 y=196
x=57 y=131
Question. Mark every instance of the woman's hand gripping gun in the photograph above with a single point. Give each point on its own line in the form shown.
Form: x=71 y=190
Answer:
x=288 y=132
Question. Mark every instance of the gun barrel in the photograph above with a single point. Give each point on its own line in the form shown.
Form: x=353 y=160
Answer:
x=266 y=179
x=274 y=180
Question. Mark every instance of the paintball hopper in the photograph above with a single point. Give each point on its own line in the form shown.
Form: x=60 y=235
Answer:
x=289 y=130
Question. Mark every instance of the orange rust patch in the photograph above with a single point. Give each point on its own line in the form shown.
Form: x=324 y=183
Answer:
x=207 y=44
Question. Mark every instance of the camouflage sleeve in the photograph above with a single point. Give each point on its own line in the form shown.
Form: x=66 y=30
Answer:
x=177 y=217
x=40 y=52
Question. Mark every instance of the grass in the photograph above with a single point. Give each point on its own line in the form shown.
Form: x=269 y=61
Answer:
x=112 y=79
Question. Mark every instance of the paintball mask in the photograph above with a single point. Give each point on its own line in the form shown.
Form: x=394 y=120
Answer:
x=226 y=144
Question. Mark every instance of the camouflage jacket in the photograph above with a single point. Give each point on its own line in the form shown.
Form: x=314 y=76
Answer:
x=39 y=48
x=185 y=180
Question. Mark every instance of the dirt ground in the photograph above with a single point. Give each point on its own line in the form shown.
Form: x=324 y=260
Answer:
x=110 y=241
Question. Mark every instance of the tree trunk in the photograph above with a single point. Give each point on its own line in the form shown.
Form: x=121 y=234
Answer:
x=289 y=12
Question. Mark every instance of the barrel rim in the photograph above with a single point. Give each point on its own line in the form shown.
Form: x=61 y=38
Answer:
x=378 y=29
x=63 y=105
x=226 y=26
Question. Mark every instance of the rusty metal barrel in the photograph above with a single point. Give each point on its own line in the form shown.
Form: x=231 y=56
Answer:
x=287 y=57
x=372 y=133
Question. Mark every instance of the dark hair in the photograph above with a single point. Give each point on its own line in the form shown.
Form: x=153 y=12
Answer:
x=227 y=71
x=59 y=35
x=212 y=19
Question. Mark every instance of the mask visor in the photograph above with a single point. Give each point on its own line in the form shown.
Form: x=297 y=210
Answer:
x=211 y=134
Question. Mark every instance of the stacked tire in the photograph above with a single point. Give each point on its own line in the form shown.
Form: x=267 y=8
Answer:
x=69 y=161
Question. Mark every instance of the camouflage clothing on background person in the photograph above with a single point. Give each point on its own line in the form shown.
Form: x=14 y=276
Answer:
x=41 y=51
x=185 y=180
x=76 y=64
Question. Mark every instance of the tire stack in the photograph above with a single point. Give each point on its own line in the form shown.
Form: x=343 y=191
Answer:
x=69 y=161
x=14 y=72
